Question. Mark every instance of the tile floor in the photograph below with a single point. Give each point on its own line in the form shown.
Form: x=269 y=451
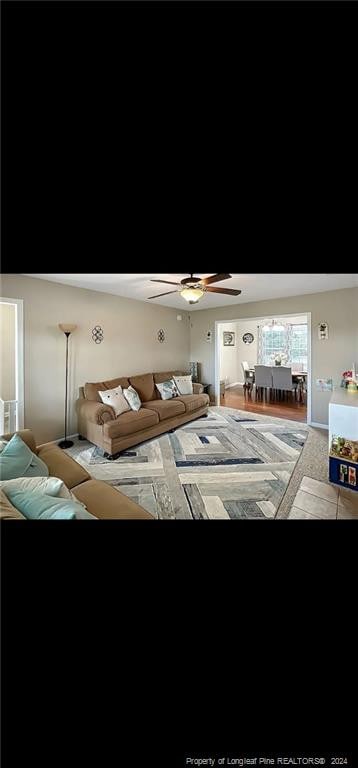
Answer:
x=315 y=500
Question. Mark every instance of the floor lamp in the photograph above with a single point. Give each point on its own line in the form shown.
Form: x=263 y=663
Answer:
x=67 y=330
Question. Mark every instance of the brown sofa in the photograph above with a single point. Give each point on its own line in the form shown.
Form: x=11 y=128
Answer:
x=97 y=422
x=101 y=500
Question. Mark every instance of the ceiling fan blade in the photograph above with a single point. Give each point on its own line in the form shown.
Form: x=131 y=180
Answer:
x=228 y=291
x=167 y=282
x=214 y=279
x=161 y=294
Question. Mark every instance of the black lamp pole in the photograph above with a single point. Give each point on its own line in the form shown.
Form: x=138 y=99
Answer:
x=67 y=330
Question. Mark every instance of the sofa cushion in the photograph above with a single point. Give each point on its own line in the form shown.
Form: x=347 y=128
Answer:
x=91 y=389
x=104 y=501
x=144 y=385
x=193 y=402
x=128 y=423
x=166 y=409
x=63 y=466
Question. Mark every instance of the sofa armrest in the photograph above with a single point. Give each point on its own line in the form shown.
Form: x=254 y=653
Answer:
x=97 y=413
x=198 y=389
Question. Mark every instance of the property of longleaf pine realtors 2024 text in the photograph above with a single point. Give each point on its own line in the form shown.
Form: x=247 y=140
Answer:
x=213 y=762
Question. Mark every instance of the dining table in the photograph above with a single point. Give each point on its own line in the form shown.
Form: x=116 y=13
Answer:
x=298 y=377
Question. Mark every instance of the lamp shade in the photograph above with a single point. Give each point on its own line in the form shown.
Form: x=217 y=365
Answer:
x=67 y=327
x=192 y=294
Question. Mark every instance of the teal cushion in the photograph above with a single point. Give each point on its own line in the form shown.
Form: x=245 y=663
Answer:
x=37 y=468
x=39 y=506
x=17 y=460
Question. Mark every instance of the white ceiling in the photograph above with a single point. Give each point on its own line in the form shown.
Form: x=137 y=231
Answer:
x=253 y=287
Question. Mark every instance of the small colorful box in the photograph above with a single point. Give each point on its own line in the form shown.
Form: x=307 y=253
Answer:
x=343 y=473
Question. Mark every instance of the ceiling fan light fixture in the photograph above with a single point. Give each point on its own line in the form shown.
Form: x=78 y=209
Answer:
x=192 y=294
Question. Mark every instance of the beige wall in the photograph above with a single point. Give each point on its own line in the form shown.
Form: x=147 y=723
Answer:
x=130 y=345
x=329 y=358
x=247 y=352
x=228 y=357
x=7 y=352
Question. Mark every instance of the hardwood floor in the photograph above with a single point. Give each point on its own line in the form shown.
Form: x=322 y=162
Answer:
x=284 y=409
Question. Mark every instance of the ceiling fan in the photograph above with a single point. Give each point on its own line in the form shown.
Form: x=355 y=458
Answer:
x=193 y=288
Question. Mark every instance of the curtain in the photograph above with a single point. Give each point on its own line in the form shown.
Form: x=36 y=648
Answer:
x=272 y=342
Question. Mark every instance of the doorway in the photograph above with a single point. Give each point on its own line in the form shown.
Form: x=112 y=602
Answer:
x=247 y=342
x=11 y=365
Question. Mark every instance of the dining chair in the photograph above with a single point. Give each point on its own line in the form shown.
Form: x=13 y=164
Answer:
x=263 y=379
x=298 y=367
x=299 y=380
x=282 y=380
x=249 y=377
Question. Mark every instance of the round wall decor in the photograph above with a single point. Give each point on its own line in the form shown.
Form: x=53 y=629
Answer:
x=248 y=338
x=161 y=335
x=97 y=334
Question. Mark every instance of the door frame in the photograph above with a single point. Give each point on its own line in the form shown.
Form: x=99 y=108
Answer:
x=267 y=317
x=19 y=357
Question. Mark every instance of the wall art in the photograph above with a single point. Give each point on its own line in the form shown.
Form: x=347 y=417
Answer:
x=161 y=335
x=248 y=338
x=97 y=334
x=324 y=384
x=323 y=331
x=229 y=338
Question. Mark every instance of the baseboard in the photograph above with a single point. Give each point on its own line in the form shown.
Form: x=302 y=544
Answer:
x=58 y=440
x=235 y=384
x=316 y=424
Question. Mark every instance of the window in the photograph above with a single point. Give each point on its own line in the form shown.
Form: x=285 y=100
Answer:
x=299 y=345
x=273 y=342
x=288 y=340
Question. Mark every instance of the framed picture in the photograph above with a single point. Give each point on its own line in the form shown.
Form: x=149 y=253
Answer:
x=229 y=338
x=352 y=476
x=248 y=338
x=324 y=384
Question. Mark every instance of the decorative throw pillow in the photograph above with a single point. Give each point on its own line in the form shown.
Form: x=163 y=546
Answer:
x=17 y=460
x=115 y=398
x=40 y=506
x=50 y=485
x=7 y=510
x=133 y=398
x=167 y=389
x=184 y=384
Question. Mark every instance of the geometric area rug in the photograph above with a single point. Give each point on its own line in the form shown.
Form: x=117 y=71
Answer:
x=228 y=465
